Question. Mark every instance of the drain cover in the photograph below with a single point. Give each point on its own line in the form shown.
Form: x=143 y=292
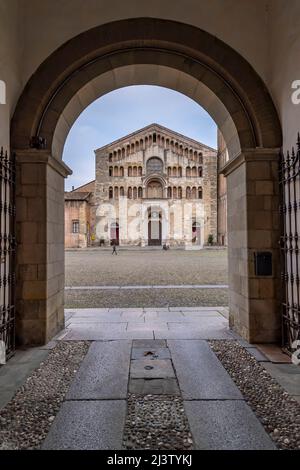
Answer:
x=148 y=367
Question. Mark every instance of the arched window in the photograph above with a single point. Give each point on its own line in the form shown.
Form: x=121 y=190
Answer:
x=110 y=192
x=174 y=193
x=141 y=144
x=137 y=146
x=169 y=171
x=116 y=192
x=200 y=157
x=200 y=193
x=140 y=171
x=129 y=193
x=110 y=157
x=154 y=165
x=121 y=171
x=130 y=171
x=140 y=193
x=116 y=171
x=169 y=191
x=179 y=193
x=200 y=171
x=188 y=192
x=119 y=153
x=180 y=171
x=194 y=171
x=123 y=152
x=134 y=193
x=128 y=150
x=186 y=152
x=174 y=171
x=194 y=193
x=134 y=173
x=122 y=193
x=188 y=171
x=110 y=171
x=154 y=189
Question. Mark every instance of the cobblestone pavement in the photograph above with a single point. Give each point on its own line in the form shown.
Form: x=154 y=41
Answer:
x=146 y=267
x=170 y=378
x=130 y=267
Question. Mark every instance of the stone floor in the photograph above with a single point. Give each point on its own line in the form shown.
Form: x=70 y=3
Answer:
x=153 y=359
x=150 y=380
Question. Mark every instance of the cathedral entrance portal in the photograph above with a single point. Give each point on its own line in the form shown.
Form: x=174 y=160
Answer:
x=154 y=228
x=114 y=233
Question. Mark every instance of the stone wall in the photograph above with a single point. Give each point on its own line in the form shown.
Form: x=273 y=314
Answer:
x=196 y=168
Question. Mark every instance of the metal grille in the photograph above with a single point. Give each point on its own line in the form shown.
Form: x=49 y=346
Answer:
x=289 y=180
x=7 y=251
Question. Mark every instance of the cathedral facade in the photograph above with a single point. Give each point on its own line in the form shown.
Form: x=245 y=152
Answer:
x=153 y=187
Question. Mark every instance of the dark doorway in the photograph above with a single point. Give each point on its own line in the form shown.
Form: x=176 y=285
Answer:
x=114 y=233
x=154 y=228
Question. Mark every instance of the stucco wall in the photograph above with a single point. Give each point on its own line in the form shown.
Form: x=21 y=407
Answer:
x=264 y=31
x=10 y=68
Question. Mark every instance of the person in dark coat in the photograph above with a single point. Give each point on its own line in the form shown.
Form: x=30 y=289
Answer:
x=114 y=251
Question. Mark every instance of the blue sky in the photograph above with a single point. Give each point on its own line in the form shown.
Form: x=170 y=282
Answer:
x=124 y=111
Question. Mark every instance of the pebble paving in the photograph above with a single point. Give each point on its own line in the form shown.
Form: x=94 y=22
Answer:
x=27 y=418
x=276 y=409
x=155 y=420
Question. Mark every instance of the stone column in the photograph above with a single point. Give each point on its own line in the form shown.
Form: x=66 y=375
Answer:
x=40 y=246
x=253 y=226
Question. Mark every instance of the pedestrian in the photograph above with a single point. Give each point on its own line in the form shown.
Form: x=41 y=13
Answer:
x=114 y=251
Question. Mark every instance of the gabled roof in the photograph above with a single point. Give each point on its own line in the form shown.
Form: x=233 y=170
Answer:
x=76 y=196
x=82 y=186
x=154 y=127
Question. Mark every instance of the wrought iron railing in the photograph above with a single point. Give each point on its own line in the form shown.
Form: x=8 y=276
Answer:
x=7 y=251
x=289 y=180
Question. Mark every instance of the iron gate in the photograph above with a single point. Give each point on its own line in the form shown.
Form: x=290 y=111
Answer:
x=289 y=180
x=7 y=251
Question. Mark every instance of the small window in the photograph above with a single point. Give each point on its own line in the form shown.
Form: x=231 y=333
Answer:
x=75 y=226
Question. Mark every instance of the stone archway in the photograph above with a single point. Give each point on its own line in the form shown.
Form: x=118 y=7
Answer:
x=166 y=53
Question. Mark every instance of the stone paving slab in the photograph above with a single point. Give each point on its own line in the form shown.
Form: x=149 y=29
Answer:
x=14 y=373
x=226 y=425
x=135 y=326
x=167 y=386
x=193 y=332
x=146 y=343
x=101 y=319
x=103 y=373
x=200 y=374
x=151 y=368
x=150 y=353
x=88 y=425
x=259 y=356
x=104 y=334
x=287 y=375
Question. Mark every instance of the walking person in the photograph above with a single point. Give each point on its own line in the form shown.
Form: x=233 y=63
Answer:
x=114 y=251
